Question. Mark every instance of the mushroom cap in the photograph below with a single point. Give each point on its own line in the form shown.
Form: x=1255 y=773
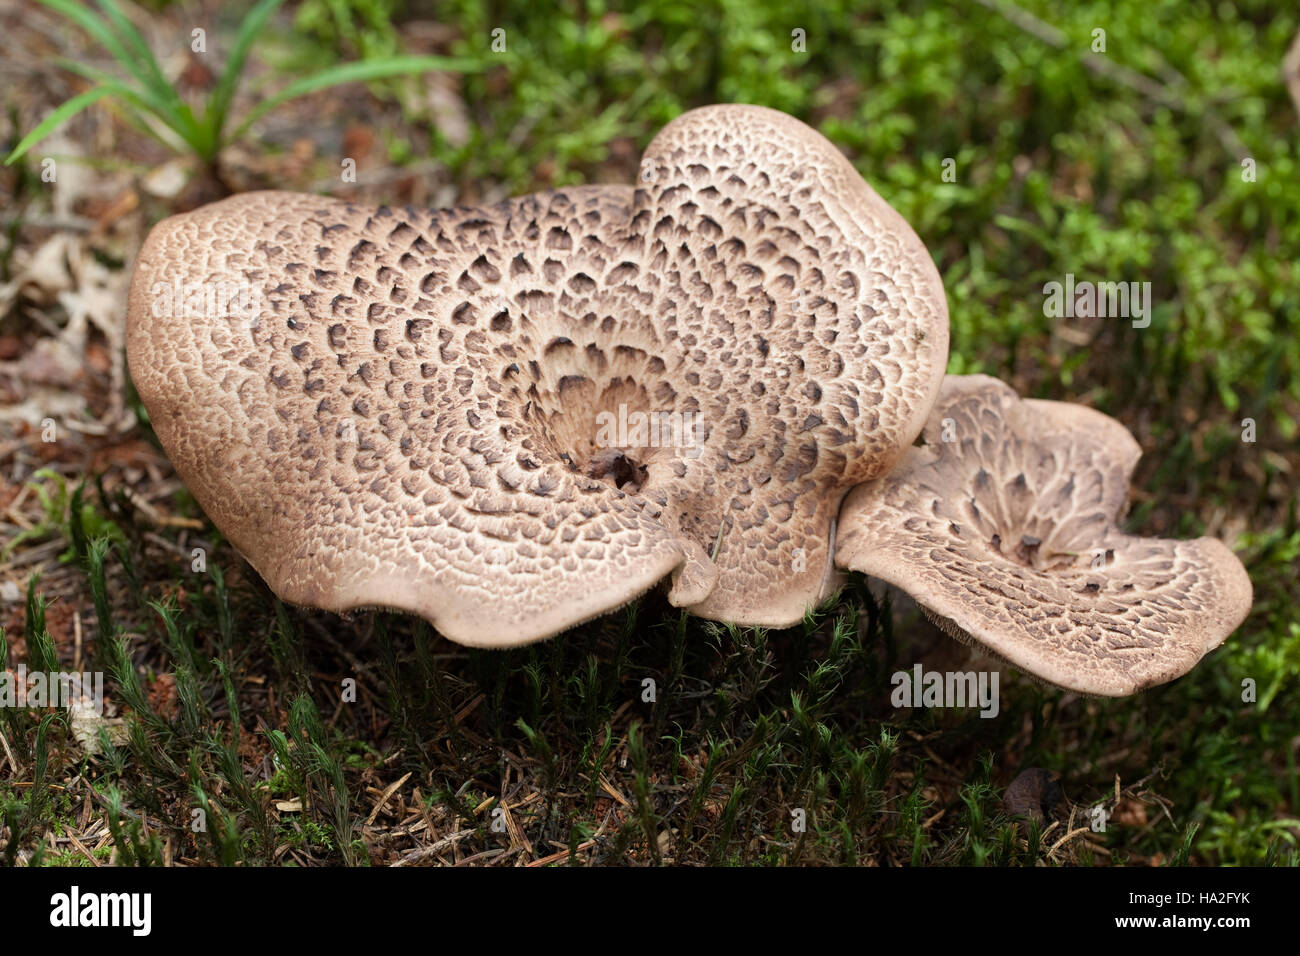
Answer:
x=1034 y=793
x=512 y=418
x=1004 y=525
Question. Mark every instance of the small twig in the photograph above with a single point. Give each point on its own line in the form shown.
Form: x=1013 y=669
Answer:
x=145 y=507
x=81 y=848
x=1069 y=836
x=33 y=555
x=383 y=799
x=433 y=849
x=556 y=857
x=9 y=754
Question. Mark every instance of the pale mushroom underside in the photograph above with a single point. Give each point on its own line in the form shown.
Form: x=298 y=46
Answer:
x=512 y=418
x=1004 y=525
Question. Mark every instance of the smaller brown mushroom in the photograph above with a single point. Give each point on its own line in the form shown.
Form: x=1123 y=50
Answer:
x=1034 y=793
x=1004 y=527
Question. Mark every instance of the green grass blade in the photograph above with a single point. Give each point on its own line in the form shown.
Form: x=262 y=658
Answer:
x=103 y=33
x=97 y=28
x=154 y=79
x=56 y=119
x=143 y=100
x=353 y=73
x=154 y=88
x=218 y=106
x=139 y=47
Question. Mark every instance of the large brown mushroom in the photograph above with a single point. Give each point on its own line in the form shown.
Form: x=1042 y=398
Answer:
x=1004 y=527
x=510 y=419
